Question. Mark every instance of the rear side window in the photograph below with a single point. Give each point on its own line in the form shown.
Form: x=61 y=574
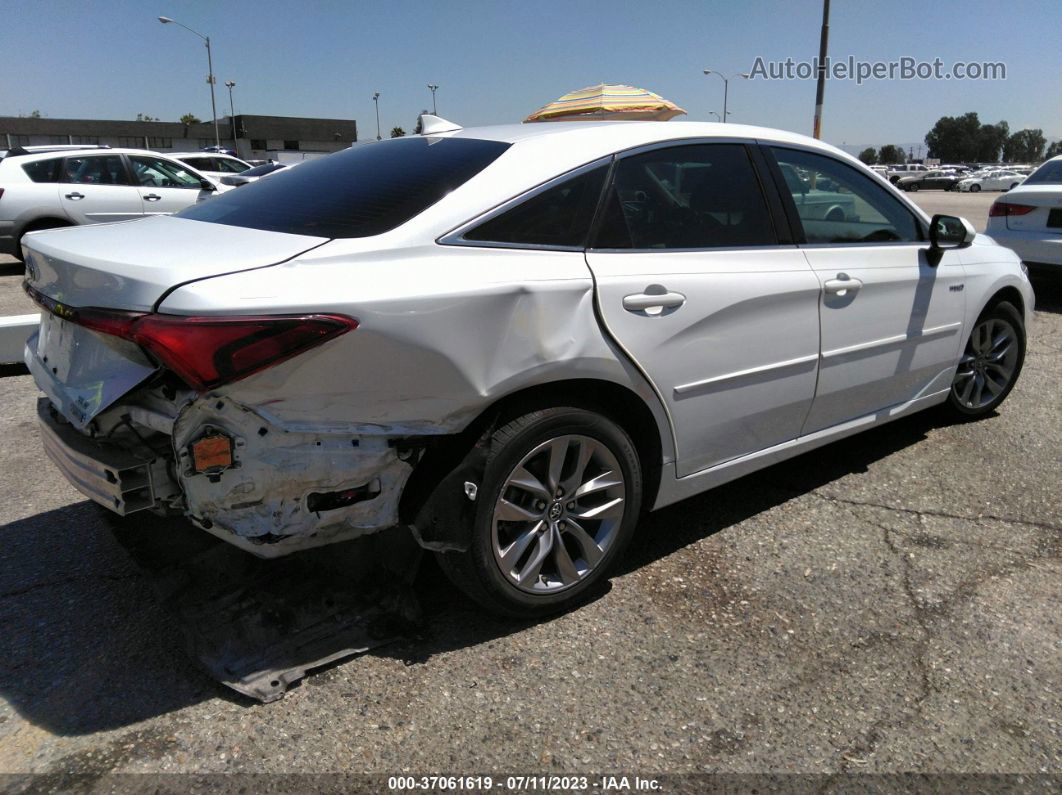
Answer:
x=200 y=163
x=558 y=216
x=362 y=191
x=43 y=170
x=1050 y=173
x=693 y=196
x=229 y=166
x=94 y=170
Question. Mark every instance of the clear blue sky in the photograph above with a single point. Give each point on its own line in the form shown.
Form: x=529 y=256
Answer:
x=498 y=61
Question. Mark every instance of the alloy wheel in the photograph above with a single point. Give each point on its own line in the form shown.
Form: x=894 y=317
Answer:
x=558 y=514
x=987 y=365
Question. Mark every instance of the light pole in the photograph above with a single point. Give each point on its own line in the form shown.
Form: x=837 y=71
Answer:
x=210 y=75
x=434 y=87
x=376 y=99
x=820 y=84
x=231 y=84
x=714 y=113
x=726 y=85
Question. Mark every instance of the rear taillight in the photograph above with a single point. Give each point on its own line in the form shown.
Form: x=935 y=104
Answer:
x=208 y=351
x=1002 y=208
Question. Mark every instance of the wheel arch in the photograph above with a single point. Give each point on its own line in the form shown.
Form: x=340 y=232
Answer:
x=434 y=494
x=1010 y=294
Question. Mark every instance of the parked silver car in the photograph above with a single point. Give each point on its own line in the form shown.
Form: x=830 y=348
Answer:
x=512 y=340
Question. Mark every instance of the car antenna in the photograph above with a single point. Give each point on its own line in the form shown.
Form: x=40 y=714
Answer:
x=433 y=125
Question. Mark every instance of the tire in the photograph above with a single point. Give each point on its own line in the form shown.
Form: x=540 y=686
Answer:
x=975 y=189
x=1012 y=187
x=912 y=187
x=990 y=363
x=529 y=520
x=37 y=226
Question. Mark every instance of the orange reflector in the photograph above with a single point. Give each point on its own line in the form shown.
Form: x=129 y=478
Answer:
x=212 y=452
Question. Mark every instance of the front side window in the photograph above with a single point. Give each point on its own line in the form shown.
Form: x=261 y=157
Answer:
x=154 y=172
x=229 y=166
x=693 y=196
x=44 y=170
x=558 y=216
x=838 y=204
x=94 y=170
x=365 y=190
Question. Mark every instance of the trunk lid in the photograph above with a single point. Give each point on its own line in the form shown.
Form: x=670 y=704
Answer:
x=1047 y=199
x=131 y=265
x=127 y=266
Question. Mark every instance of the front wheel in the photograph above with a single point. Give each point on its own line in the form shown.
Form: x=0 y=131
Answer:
x=990 y=364
x=913 y=186
x=975 y=188
x=560 y=497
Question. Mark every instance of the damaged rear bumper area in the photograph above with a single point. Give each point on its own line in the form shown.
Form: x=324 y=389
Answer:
x=268 y=490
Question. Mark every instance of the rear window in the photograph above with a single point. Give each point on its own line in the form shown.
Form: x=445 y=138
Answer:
x=1050 y=173
x=365 y=190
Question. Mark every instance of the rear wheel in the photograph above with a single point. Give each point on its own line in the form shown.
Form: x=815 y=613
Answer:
x=560 y=497
x=36 y=226
x=990 y=364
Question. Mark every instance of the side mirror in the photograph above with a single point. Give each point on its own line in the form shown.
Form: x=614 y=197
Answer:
x=207 y=185
x=949 y=231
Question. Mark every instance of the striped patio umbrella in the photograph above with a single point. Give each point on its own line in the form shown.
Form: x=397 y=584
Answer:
x=605 y=101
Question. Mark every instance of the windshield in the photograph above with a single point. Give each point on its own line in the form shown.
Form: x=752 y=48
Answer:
x=365 y=190
x=1050 y=173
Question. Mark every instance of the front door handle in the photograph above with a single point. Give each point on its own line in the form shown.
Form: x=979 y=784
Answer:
x=841 y=286
x=642 y=302
x=75 y=195
x=152 y=197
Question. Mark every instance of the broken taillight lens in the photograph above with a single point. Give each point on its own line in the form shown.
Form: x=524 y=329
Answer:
x=208 y=351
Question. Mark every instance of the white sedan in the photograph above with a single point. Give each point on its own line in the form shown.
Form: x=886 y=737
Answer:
x=996 y=180
x=1029 y=219
x=508 y=340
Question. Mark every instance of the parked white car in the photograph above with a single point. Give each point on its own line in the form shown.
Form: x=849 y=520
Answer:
x=1029 y=219
x=993 y=180
x=49 y=188
x=509 y=339
x=214 y=165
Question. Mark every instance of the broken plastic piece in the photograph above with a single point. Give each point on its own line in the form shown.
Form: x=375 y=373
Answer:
x=212 y=452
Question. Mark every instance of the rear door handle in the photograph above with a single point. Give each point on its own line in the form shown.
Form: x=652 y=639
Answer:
x=641 y=302
x=152 y=197
x=75 y=195
x=841 y=286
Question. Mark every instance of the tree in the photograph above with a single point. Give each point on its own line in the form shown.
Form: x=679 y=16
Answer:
x=418 y=129
x=189 y=118
x=145 y=117
x=1026 y=146
x=955 y=139
x=35 y=114
x=397 y=132
x=890 y=154
x=991 y=139
x=869 y=156
x=1054 y=150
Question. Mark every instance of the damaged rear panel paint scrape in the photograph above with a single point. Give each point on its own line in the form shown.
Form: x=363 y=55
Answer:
x=277 y=476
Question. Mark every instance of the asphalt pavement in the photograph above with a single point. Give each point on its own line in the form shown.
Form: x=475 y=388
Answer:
x=887 y=603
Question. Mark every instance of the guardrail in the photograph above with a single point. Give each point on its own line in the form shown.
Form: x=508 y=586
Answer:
x=14 y=331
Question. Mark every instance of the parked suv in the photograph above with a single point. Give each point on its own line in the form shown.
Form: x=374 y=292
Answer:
x=64 y=187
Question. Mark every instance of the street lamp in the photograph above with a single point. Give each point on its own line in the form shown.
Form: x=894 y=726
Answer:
x=376 y=99
x=210 y=74
x=434 y=87
x=231 y=84
x=714 y=113
x=726 y=85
